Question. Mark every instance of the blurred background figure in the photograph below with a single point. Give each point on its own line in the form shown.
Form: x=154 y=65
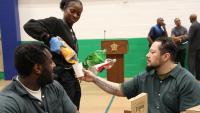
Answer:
x=157 y=31
x=179 y=35
x=194 y=46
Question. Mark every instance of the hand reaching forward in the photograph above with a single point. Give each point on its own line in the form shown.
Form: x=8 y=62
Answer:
x=88 y=76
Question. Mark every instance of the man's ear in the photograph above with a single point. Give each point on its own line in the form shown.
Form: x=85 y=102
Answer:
x=166 y=56
x=37 y=68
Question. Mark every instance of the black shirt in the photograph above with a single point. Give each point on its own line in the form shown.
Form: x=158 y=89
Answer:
x=44 y=29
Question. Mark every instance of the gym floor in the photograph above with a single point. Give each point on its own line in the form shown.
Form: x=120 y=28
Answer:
x=95 y=100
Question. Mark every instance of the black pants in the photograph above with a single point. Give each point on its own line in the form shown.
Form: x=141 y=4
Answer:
x=181 y=56
x=71 y=84
x=194 y=62
x=197 y=67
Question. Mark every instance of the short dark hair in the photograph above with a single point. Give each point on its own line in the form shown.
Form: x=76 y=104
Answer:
x=176 y=19
x=65 y=3
x=27 y=55
x=167 y=46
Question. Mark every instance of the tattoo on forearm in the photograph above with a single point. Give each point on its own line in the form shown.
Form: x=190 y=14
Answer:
x=106 y=86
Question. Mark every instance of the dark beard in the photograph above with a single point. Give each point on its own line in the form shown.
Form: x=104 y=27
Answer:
x=46 y=78
x=150 y=68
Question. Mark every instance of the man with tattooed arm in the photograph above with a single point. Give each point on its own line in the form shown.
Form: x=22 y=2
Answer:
x=170 y=87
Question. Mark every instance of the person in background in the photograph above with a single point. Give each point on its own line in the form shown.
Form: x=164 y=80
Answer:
x=170 y=87
x=49 y=30
x=33 y=90
x=194 y=46
x=157 y=31
x=179 y=37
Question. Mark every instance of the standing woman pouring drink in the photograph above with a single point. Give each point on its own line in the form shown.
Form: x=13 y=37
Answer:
x=49 y=31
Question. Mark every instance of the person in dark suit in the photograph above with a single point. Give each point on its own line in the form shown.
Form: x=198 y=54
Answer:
x=194 y=46
x=49 y=30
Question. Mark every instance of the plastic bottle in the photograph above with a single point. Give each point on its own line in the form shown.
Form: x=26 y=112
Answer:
x=69 y=54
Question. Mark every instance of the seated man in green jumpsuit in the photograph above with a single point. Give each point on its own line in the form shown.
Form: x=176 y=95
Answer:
x=170 y=87
x=34 y=90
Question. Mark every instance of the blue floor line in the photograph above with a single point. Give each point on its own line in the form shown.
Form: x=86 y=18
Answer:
x=110 y=103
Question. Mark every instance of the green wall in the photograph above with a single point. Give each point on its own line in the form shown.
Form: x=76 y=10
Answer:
x=135 y=59
x=1 y=75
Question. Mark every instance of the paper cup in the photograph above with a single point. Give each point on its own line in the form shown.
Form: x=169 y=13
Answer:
x=78 y=69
